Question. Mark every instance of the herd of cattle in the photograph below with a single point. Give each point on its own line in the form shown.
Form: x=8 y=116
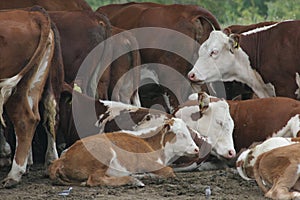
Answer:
x=44 y=43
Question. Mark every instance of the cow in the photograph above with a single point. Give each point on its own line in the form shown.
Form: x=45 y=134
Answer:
x=236 y=90
x=255 y=120
x=257 y=58
x=49 y=5
x=193 y=113
x=193 y=21
x=29 y=54
x=114 y=116
x=112 y=158
x=246 y=160
x=279 y=168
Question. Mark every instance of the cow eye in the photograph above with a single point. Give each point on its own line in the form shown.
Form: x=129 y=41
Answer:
x=148 y=117
x=214 y=52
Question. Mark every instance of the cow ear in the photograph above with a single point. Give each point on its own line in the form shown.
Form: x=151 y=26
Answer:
x=234 y=42
x=204 y=101
x=227 y=31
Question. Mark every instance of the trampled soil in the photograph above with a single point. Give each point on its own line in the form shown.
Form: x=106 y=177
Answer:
x=225 y=184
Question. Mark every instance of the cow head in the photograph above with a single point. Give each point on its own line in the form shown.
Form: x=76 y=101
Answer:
x=218 y=59
x=211 y=118
x=179 y=141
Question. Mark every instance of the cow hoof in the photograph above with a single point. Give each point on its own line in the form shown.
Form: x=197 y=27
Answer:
x=138 y=183
x=5 y=162
x=9 y=183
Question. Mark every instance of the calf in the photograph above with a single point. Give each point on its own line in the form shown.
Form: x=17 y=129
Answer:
x=110 y=159
x=247 y=158
x=279 y=168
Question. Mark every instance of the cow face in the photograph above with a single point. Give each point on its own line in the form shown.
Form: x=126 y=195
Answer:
x=213 y=120
x=217 y=59
x=182 y=143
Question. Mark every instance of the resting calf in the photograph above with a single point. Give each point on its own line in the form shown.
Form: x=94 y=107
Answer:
x=110 y=159
x=279 y=168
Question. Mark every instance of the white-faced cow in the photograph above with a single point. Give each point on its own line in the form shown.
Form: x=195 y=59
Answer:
x=210 y=119
x=265 y=59
x=277 y=172
x=258 y=119
x=111 y=159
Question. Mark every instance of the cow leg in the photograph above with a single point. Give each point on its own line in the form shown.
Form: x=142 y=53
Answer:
x=5 y=150
x=282 y=186
x=98 y=180
x=24 y=125
x=291 y=129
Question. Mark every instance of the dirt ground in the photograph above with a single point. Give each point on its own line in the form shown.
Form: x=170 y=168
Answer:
x=225 y=184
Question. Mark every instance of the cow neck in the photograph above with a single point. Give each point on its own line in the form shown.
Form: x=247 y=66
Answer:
x=157 y=139
x=251 y=77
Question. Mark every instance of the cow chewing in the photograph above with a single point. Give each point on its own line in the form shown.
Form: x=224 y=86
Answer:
x=112 y=158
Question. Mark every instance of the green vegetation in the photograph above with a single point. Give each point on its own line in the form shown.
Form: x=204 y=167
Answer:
x=233 y=11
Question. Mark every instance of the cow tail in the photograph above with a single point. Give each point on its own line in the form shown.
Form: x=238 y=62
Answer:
x=257 y=174
x=7 y=85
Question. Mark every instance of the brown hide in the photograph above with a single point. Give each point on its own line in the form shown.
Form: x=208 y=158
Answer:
x=257 y=119
x=25 y=41
x=50 y=5
x=280 y=168
x=192 y=21
x=89 y=159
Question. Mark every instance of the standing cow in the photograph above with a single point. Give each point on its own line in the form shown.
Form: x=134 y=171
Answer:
x=192 y=23
x=265 y=59
x=30 y=64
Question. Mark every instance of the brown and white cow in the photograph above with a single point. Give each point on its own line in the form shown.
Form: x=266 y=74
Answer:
x=263 y=58
x=246 y=160
x=255 y=120
x=279 y=169
x=211 y=119
x=176 y=20
x=112 y=158
x=28 y=53
x=113 y=116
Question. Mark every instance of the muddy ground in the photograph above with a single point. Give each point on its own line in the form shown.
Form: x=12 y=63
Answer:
x=225 y=184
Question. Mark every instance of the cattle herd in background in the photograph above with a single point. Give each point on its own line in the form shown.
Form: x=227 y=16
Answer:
x=44 y=44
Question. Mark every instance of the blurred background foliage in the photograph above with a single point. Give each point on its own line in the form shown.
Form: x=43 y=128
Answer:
x=230 y=12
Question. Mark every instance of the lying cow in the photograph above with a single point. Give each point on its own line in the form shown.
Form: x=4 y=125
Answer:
x=256 y=119
x=114 y=116
x=253 y=58
x=280 y=169
x=247 y=158
x=217 y=126
x=111 y=159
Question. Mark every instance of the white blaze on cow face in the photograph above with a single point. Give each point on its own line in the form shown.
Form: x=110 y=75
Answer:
x=215 y=123
x=183 y=143
x=221 y=59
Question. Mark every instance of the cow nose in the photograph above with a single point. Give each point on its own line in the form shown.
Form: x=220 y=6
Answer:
x=231 y=153
x=196 y=150
x=192 y=76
